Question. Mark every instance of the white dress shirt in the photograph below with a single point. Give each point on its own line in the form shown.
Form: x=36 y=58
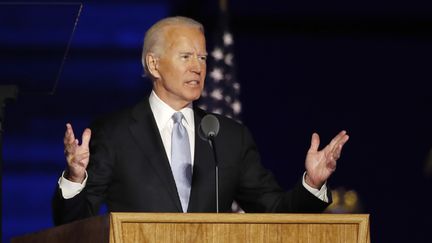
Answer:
x=162 y=113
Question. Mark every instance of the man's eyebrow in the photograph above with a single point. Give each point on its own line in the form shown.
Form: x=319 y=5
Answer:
x=191 y=53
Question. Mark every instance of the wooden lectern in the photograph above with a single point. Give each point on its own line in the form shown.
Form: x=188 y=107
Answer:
x=215 y=228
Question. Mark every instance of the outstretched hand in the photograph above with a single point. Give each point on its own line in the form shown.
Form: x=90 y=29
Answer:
x=320 y=164
x=77 y=156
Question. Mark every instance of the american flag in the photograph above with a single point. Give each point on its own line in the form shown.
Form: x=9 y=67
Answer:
x=221 y=94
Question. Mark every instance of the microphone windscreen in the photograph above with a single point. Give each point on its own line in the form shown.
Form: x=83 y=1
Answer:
x=209 y=126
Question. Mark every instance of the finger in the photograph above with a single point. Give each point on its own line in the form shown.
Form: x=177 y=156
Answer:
x=69 y=148
x=338 y=149
x=315 y=141
x=337 y=152
x=331 y=160
x=69 y=134
x=86 y=138
x=339 y=144
x=66 y=135
x=337 y=138
x=343 y=140
x=70 y=131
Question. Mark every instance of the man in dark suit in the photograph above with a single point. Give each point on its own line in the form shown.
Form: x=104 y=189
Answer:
x=130 y=160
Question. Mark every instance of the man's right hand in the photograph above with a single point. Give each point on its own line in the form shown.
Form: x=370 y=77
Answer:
x=77 y=156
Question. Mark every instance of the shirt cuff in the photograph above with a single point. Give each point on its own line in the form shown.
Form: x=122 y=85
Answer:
x=69 y=188
x=321 y=193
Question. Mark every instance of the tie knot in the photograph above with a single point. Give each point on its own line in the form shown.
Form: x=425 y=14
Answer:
x=177 y=117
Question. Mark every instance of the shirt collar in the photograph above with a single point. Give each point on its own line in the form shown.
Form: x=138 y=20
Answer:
x=163 y=112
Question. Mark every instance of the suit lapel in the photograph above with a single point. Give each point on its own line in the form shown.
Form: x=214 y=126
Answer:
x=144 y=129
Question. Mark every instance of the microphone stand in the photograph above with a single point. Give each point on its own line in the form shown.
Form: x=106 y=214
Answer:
x=212 y=145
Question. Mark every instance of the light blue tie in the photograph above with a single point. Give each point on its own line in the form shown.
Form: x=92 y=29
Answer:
x=181 y=160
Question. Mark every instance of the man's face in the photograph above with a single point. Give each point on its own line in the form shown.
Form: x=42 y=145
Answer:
x=181 y=67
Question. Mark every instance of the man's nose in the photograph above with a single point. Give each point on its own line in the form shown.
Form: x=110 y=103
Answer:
x=196 y=65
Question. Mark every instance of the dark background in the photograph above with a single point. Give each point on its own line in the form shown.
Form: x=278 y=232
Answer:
x=304 y=66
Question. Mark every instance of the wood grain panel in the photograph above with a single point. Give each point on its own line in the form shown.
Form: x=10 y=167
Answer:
x=210 y=228
x=253 y=228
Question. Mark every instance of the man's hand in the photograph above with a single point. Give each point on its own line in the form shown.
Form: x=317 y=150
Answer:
x=320 y=164
x=77 y=156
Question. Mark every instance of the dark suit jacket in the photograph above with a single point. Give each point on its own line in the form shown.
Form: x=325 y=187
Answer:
x=129 y=171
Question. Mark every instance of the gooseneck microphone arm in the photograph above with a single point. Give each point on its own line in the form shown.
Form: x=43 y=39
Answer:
x=209 y=129
x=212 y=145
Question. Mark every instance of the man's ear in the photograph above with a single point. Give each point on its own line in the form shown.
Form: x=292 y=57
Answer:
x=152 y=63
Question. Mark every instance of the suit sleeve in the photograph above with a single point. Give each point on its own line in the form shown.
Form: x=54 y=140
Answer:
x=87 y=202
x=258 y=190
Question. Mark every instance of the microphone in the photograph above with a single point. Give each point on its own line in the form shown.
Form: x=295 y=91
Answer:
x=208 y=130
x=209 y=127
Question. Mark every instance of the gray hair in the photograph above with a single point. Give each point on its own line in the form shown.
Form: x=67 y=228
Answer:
x=154 y=37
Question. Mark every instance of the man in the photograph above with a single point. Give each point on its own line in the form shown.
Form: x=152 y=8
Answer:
x=150 y=158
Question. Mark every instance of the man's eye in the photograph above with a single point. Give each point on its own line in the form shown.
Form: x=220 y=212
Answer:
x=185 y=57
x=203 y=58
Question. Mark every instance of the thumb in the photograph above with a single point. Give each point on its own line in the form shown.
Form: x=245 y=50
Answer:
x=86 y=137
x=315 y=141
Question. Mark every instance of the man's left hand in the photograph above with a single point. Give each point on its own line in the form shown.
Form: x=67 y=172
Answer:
x=320 y=164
